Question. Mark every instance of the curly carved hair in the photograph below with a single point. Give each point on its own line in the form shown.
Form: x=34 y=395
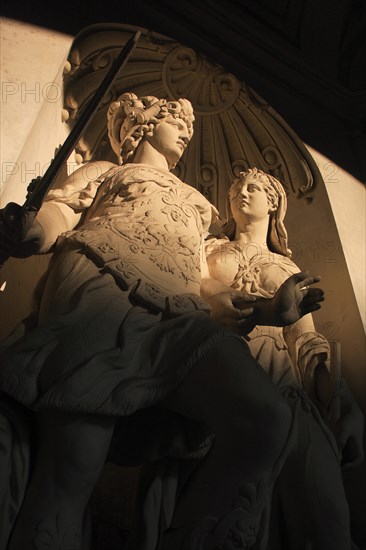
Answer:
x=130 y=118
x=277 y=240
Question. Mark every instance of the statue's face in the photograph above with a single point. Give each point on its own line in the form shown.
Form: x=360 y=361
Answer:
x=170 y=138
x=250 y=198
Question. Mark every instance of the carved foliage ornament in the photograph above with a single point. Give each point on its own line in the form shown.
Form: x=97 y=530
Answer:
x=234 y=128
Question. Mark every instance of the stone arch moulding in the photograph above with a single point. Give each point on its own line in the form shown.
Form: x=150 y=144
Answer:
x=234 y=129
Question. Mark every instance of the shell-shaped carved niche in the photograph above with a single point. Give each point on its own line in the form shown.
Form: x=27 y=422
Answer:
x=235 y=129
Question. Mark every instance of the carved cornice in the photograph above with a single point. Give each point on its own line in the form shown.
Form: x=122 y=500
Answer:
x=234 y=129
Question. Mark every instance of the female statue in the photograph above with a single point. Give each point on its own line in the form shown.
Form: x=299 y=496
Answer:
x=124 y=341
x=252 y=257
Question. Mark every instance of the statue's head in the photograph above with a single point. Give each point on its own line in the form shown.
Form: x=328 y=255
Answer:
x=132 y=118
x=277 y=205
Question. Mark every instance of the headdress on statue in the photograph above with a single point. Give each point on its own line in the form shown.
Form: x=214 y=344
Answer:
x=131 y=117
x=277 y=240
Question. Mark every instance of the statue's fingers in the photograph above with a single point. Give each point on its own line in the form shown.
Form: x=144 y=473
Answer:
x=297 y=278
x=240 y=300
x=11 y=213
x=7 y=237
x=246 y=312
x=239 y=315
x=9 y=234
x=312 y=296
x=309 y=280
x=235 y=314
x=309 y=308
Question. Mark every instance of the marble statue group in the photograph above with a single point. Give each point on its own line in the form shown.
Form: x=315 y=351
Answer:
x=155 y=340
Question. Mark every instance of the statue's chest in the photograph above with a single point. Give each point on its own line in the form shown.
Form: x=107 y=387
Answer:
x=159 y=201
x=154 y=228
x=252 y=271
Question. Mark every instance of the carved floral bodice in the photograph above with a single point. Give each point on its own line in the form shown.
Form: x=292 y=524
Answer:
x=145 y=226
x=253 y=270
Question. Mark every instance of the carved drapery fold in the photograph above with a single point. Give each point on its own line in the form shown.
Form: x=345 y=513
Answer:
x=235 y=128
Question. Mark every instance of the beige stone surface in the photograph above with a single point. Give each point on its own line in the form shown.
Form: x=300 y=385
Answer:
x=347 y=197
x=31 y=58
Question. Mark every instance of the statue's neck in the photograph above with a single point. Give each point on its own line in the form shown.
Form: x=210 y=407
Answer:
x=146 y=154
x=252 y=231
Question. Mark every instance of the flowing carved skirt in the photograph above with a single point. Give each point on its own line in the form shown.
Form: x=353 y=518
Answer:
x=96 y=350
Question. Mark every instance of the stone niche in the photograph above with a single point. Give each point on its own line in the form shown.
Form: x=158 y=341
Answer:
x=234 y=129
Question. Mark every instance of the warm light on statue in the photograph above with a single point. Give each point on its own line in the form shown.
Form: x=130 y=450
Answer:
x=131 y=326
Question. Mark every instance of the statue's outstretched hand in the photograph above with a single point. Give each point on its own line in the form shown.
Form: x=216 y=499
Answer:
x=294 y=299
x=20 y=233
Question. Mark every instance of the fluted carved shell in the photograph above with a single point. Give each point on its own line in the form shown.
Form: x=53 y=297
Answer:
x=234 y=129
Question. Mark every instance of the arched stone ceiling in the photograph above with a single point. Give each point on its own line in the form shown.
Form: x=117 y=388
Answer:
x=234 y=128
